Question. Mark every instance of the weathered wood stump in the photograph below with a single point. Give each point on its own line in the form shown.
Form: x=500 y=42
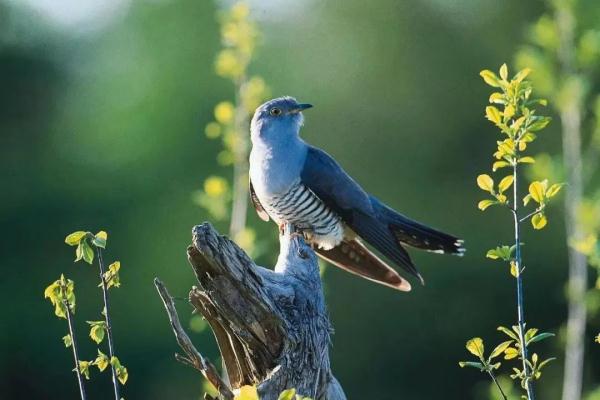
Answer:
x=271 y=326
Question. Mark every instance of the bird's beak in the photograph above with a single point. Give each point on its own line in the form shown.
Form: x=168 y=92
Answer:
x=301 y=107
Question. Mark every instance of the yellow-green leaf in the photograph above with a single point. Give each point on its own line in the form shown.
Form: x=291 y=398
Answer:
x=74 y=238
x=483 y=204
x=539 y=221
x=497 y=98
x=505 y=183
x=509 y=111
x=500 y=164
x=84 y=368
x=510 y=353
x=87 y=252
x=500 y=349
x=553 y=190
x=68 y=341
x=522 y=74
x=490 y=78
x=526 y=160
x=475 y=347
x=247 y=393
x=101 y=361
x=536 y=190
x=513 y=269
x=289 y=394
x=485 y=182
x=100 y=239
x=504 y=71
x=492 y=114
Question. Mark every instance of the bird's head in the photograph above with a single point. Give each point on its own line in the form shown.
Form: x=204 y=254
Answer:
x=277 y=119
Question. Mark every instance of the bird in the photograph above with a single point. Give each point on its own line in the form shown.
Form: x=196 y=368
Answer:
x=293 y=182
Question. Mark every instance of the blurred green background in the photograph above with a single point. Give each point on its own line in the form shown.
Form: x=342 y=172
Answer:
x=102 y=112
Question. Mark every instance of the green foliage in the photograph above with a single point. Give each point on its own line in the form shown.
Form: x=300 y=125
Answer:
x=61 y=294
x=519 y=124
x=239 y=37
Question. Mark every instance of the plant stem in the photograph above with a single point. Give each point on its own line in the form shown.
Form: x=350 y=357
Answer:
x=520 y=298
x=109 y=337
x=570 y=115
x=497 y=385
x=74 y=346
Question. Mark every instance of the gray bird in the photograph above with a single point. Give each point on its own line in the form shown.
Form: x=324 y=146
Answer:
x=294 y=182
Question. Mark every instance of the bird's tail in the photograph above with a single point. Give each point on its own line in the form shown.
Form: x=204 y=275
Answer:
x=416 y=234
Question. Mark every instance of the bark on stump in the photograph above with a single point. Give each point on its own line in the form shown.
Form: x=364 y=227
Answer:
x=271 y=326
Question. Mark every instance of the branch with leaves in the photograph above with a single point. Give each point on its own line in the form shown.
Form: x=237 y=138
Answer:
x=61 y=293
x=519 y=123
x=222 y=200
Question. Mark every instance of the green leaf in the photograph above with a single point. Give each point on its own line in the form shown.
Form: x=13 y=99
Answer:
x=508 y=332
x=539 y=337
x=120 y=370
x=513 y=269
x=100 y=239
x=493 y=114
x=554 y=189
x=500 y=164
x=505 y=183
x=74 y=238
x=526 y=160
x=537 y=191
x=497 y=98
x=84 y=368
x=522 y=74
x=539 y=124
x=490 y=78
x=289 y=394
x=539 y=221
x=504 y=72
x=500 y=349
x=79 y=252
x=247 y=392
x=88 y=252
x=485 y=182
x=101 y=361
x=111 y=276
x=475 y=347
x=67 y=340
x=97 y=330
x=471 y=364
x=543 y=363
x=483 y=204
x=530 y=333
x=510 y=353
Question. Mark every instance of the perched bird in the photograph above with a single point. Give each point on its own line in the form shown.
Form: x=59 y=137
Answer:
x=294 y=182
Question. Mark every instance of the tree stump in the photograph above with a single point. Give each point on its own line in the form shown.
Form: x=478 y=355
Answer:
x=271 y=326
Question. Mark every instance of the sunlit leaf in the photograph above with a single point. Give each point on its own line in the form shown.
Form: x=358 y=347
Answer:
x=505 y=183
x=100 y=239
x=483 y=204
x=485 y=182
x=74 y=238
x=102 y=361
x=490 y=78
x=539 y=221
x=289 y=394
x=526 y=160
x=475 y=347
x=553 y=190
x=247 y=393
x=536 y=190
x=510 y=353
x=500 y=164
x=541 y=336
x=504 y=71
x=522 y=74
x=500 y=349
x=493 y=114
x=508 y=332
x=471 y=364
x=67 y=340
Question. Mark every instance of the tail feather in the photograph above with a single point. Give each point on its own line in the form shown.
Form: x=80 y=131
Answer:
x=416 y=234
x=354 y=257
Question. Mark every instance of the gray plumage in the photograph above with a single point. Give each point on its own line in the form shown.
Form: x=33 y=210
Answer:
x=291 y=181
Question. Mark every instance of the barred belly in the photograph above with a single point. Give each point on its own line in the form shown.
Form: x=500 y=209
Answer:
x=301 y=207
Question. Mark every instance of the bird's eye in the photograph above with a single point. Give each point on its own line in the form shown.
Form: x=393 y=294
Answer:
x=275 y=111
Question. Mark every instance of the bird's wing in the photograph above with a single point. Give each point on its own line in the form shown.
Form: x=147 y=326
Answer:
x=256 y=203
x=334 y=187
x=352 y=256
